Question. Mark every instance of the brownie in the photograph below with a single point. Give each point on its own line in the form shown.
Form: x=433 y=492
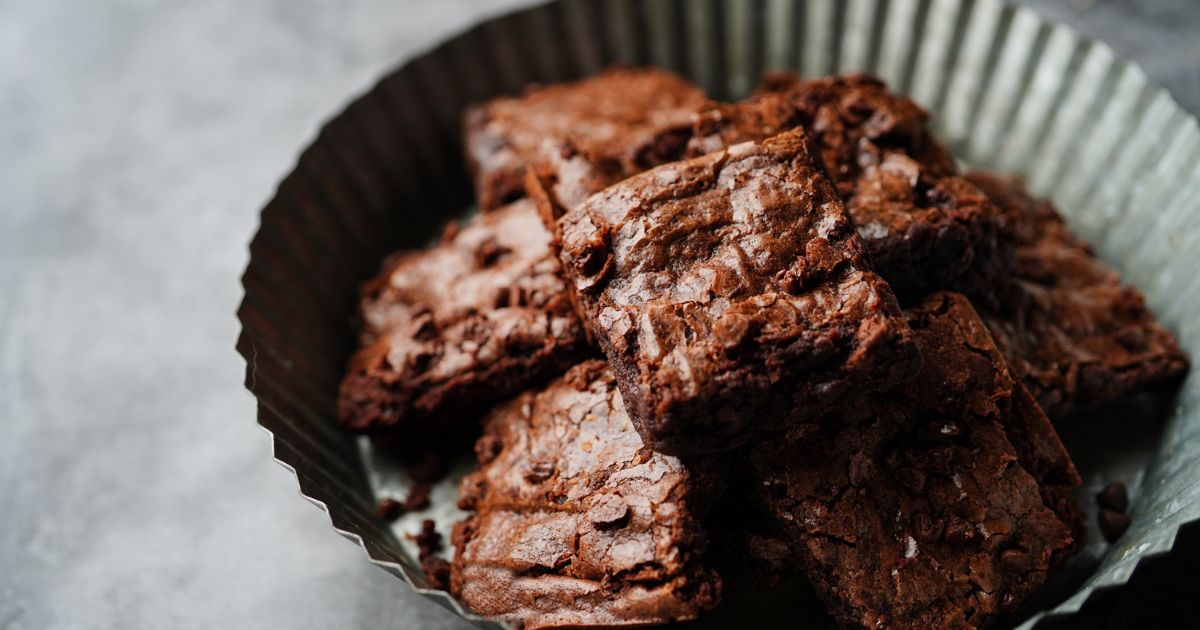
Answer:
x=731 y=294
x=576 y=521
x=1070 y=329
x=580 y=136
x=926 y=228
x=450 y=330
x=939 y=504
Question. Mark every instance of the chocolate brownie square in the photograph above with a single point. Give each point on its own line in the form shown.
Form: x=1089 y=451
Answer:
x=939 y=504
x=731 y=294
x=576 y=521
x=926 y=228
x=450 y=330
x=1070 y=329
x=579 y=136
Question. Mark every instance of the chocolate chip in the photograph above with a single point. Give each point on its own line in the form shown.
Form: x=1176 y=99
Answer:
x=1114 y=496
x=665 y=147
x=1112 y=524
x=1014 y=560
x=592 y=259
x=503 y=298
x=420 y=361
x=518 y=296
x=390 y=509
x=1132 y=338
x=539 y=471
x=470 y=494
x=608 y=510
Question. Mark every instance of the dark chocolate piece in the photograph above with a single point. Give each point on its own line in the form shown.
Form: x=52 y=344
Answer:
x=1112 y=524
x=418 y=497
x=581 y=136
x=577 y=522
x=1070 y=329
x=940 y=504
x=926 y=228
x=451 y=330
x=390 y=509
x=1114 y=496
x=731 y=294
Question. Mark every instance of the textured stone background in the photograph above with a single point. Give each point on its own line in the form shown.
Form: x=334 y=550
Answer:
x=138 y=139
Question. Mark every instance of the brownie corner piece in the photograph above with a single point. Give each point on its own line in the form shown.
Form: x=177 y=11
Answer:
x=575 y=522
x=937 y=504
x=730 y=292
x=449 y=330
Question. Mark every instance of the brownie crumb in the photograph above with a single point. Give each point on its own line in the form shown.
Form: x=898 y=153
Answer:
x=429 y=546
x=429 y=541
x=1114 y=496
x=418 y=497
x=1112 y=524
x=391 y=509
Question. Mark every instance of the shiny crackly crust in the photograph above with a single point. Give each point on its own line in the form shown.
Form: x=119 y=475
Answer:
x=582 y=135
x=1071 y=330
x=926 y=228
x=731 y=293
x=939 y=505
x=576 y=521
x=449 y=330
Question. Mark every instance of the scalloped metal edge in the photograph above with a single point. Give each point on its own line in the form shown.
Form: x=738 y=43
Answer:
x=440 y=597
x=443 y=598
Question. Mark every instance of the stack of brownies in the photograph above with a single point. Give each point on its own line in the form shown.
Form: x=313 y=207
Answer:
x=795 y=303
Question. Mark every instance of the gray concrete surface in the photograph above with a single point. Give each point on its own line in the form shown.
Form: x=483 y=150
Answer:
x=138 y=139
